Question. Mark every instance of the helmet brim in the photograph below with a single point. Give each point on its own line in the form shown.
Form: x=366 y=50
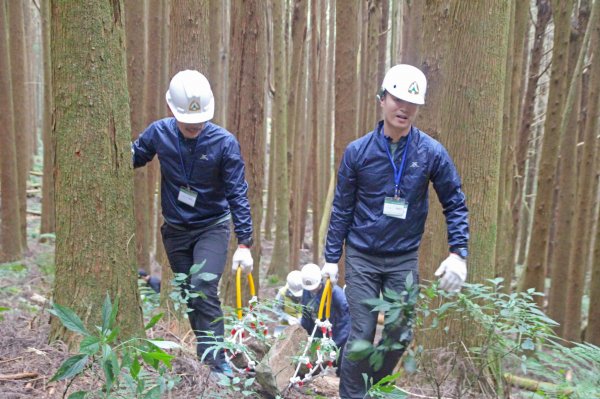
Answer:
x=191 y=118
x=297 y=293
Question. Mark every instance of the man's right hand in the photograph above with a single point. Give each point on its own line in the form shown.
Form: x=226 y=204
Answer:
x=242 y=257
x=330 y=270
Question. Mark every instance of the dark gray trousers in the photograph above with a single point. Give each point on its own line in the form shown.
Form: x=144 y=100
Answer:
x=368 y=277
x=185 y=248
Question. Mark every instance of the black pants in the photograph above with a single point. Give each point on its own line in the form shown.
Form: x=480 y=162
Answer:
x=185 y=248
x=368 y=277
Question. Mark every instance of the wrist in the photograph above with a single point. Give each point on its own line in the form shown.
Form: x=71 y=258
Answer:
x=461 y=252
x=245 y=243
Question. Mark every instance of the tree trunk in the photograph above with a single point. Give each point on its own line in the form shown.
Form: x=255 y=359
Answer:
x=10 y=243
x=521 y=212
x=535 y=271
x=48 y=223
x=218 y=57
x=189 y=36
x=20 y=96
x=296 y=92
x=94 y=179
x=281 y=248
x=504 y=265
x=346 y=84
x=465 y=81
x=577 y=264
x=135 y=31
x=245 y=114
x=591 y=167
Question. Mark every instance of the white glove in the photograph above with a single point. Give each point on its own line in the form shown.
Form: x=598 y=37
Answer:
x=454 y=273
x=293 y=321
x=242 y=257
x=330 y=270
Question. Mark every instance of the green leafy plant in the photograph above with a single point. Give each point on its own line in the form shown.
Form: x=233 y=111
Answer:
x=123 y=364
x=384 y=388
x=182 y=289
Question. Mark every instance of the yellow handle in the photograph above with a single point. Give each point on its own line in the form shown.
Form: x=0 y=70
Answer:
x=238 y=289
x=326 y=297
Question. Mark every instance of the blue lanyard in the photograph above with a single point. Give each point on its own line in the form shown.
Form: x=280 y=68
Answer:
x=185 y=174
x=398 y=172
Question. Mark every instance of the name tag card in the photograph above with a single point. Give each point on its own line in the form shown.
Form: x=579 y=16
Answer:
x=395 y=208
x=187 y=196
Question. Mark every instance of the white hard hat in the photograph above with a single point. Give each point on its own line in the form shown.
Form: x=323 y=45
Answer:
x=311 y=276
x=190 y=97
x=294 y=283
x=406 y=83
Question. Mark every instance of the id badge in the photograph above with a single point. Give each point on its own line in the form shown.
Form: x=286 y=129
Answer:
x=187 y=196
x=395 y=208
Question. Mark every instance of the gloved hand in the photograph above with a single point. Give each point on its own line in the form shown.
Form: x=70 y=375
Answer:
x=454 y=273
x=293 y=321
x=242 y=257
x=330 y=270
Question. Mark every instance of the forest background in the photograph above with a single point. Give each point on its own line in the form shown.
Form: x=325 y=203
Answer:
x=513 y=95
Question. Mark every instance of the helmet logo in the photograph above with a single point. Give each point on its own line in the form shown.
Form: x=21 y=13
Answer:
x=194 y=106
x=413 y=88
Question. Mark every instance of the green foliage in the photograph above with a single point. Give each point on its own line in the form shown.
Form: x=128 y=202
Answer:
x=510 y=331
x=183 y=290
x=122 y=364
x=384 y=388
x=237 y=385
x=400 y=310
x=571 y=367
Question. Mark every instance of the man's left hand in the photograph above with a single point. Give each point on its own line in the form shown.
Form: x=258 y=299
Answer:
x=242 y=257
x=453 y=272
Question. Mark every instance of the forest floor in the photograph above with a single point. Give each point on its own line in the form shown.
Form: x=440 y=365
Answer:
x=28 y=361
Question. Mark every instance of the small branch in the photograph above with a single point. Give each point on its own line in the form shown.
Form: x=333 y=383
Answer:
x=419 y=396
x=533 y=385
x=18 y=376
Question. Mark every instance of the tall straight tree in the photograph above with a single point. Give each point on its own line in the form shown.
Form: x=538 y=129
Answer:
x=10 y=243
x=94 y=178
x=465 y=81
x=245 y=114
x=47 y=224
x=20 y=96
x=296 y=118
x=577 y=271
x=135 y=31
x=281 y=248
x=535 y=271
x=346 y=78
x=591 y=128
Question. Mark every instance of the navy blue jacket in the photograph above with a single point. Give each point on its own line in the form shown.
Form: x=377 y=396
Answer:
x=215 y=168
x=366 y=178
x=339 y=317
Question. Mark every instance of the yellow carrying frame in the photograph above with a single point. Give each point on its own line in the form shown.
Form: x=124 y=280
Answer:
x=326 y=297
x=238 y=289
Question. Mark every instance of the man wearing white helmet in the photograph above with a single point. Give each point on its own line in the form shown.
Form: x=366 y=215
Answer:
x=203 y=188
x=313 y=286
x=287 y=301
x=379 y=213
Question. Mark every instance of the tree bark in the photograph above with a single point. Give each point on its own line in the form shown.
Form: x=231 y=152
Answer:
x=10 y=241
x=281 y=249
x=465 y=81
x=135 y=32
x=94 y=179
x=535 y=271
x=48 y=220
x=20 y=96
x=245 y=115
